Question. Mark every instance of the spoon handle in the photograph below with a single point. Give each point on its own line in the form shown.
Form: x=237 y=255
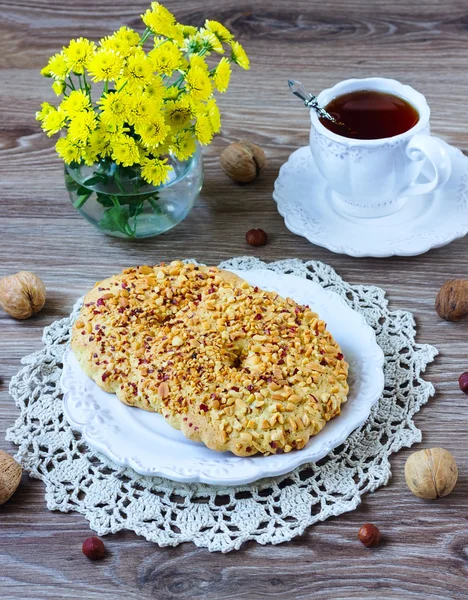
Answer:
x=309 y=99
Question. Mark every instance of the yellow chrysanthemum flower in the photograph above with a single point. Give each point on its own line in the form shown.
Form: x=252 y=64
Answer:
x=198 y=83
x=99 y=145
x=76 y=102
x=59 y=87
x=192 y=45
x=162 y=22
x=114 y=108
x=155 y=90
x=70 y=150
x=156 y=171
x=198 y=61
x=214 y=116
x=105 y=65
x=110 y=130
x=187 y=30
x=139 y=109
x=82 y=126
x=54 y=121
x=210 y=41
x=57 y=67
x=88 y=156
x=46 y=108
x=100 y=141
x=162 y=150
x=124 y=41
x=162 y=101
x=172 y=93
x=138 y=71
x=222 y=33
x=127 y=35
x=125 y=150
x=154 y=132
x=197 y=107
x=167 y=58
x=177 y=113
x=78 y=54
x=222 y=75
x=174 y=33
x=239 y=56
x=203 y=41
x=162 y=12
x=184 y=145
x=203 y=130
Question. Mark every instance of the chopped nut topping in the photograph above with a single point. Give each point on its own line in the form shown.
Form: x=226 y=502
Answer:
x=217 y=356
x=163 y=390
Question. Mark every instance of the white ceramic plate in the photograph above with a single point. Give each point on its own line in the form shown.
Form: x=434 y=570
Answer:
x=145 y=442
x=424 y=222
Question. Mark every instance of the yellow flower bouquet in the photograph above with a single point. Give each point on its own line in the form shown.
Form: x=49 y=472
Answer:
x=131 y=120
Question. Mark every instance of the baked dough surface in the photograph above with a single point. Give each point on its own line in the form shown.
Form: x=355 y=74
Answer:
x=230 y=365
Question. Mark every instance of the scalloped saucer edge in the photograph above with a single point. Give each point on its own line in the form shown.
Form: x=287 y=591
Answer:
x=428 y=221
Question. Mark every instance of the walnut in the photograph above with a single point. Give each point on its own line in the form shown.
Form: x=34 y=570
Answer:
x=243 y=161
x=452 y=300
x=431 y=473
x=22 y=295
x=10 y=476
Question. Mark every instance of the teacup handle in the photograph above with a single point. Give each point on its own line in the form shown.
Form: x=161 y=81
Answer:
x=434 y=150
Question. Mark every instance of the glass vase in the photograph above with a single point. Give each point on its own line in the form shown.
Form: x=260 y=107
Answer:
x=120 y=203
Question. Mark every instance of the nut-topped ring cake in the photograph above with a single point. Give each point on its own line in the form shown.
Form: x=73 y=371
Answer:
x=229 y=364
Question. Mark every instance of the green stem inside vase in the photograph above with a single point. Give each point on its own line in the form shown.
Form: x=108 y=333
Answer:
x=126 y=205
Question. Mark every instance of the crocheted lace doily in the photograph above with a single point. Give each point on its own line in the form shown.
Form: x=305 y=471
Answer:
x=221 y=519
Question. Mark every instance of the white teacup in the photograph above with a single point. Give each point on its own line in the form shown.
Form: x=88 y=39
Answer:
x=374 y=178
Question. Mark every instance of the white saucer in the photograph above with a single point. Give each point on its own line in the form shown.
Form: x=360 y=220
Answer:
x=142 y=440
x=429 y=221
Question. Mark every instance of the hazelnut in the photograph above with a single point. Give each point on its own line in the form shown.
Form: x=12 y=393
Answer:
x=431 y=473
x=463 y=382
x=22 y=295
x=10 y=476
x=256 y=237
x=452 y=300
x=243 y=161
x=93 y=548
x=369 y=535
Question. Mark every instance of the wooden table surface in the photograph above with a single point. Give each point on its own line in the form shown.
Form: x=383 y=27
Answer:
x=425 y=44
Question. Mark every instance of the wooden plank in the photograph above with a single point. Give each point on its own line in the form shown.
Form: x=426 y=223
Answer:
x=425 y=554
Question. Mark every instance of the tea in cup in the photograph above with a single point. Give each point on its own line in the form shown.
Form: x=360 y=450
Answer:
x=372 y=159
